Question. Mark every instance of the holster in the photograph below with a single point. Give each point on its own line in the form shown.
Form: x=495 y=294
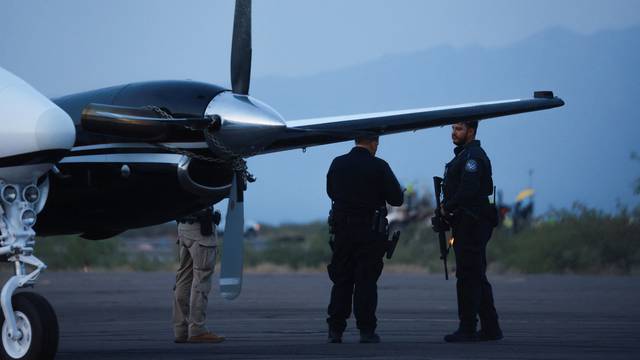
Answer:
x=331 y=221
x=205 y=218
x=379 y=223
x=392 y=243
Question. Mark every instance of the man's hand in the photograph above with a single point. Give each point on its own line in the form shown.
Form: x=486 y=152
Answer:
x=438 y=224
x=444 y=214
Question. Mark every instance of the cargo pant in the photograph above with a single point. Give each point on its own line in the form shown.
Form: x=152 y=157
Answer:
x=356 y=265
x=197 y=254
x=475 y=295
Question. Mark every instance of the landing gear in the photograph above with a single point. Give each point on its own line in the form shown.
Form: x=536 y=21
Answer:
x=29 y=324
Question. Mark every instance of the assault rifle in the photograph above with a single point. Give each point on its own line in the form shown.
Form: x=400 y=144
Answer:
x=442 y=234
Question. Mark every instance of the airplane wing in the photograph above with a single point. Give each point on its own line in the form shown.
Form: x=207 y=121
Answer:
x=327 y=130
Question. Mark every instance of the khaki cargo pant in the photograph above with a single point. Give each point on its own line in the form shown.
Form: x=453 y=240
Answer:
x=197 y=256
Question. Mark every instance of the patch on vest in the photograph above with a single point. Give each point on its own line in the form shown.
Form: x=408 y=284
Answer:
x=471 y=166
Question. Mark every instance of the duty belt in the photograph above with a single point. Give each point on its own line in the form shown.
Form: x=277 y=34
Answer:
x=188 y=221
x=354 y=219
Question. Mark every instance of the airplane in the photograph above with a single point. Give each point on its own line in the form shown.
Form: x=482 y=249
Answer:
x=101 y=162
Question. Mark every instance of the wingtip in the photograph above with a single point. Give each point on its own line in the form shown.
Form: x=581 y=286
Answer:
x=547 y=94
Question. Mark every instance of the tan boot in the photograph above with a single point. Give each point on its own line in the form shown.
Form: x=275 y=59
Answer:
x=206 y=338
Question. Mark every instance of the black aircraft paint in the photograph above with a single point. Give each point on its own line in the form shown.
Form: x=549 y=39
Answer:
x=150 y=192
x=37 y=157
x=178 y=98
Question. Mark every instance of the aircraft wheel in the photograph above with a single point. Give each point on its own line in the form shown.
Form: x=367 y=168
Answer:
x=38 y=324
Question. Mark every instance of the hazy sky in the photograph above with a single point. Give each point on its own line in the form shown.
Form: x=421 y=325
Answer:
x=97 y=43
x=62 y=47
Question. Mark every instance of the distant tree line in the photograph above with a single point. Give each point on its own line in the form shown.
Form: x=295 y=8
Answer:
x=578 y=240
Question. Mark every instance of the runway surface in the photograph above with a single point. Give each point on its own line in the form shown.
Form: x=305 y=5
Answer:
x=281 y=316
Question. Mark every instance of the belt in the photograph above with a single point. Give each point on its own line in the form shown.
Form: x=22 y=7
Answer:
x=183 y=221
x=358 y=220
x=354 y=220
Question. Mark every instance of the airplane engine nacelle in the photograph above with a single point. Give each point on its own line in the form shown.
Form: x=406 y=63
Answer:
x=206 y=180
x=35 y=133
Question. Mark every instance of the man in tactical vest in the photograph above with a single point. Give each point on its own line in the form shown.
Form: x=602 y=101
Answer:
x=467 y=185
x=360 y=185
x=197 y=241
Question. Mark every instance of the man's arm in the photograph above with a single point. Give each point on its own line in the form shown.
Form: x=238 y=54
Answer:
x=330 y=190
x=393 y=193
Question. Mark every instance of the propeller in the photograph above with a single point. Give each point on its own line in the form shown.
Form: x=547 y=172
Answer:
x=233 y=241
x=237 y=126
x=241 y=48
x=233 y=244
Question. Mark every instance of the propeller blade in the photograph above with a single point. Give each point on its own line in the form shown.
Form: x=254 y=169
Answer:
x=241 y=48
x=139 y=123
x=233 y=242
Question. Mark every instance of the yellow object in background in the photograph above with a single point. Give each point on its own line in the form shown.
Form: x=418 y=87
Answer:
x=528 y=192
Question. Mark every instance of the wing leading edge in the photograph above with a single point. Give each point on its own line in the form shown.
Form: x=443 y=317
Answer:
x=312 y=132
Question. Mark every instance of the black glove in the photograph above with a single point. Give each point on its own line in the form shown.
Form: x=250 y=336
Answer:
x=439 y=225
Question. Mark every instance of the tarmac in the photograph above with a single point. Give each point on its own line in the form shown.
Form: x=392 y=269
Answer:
x=127 y=315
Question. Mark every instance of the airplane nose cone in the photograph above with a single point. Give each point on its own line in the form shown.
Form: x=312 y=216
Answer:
x=248 y=124
x=54 y=130
x=35 y=132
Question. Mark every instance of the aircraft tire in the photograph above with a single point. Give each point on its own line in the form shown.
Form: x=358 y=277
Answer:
x=38 y=321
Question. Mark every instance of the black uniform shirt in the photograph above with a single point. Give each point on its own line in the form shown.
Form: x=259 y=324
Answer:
x=467 y=178
x=359 y=183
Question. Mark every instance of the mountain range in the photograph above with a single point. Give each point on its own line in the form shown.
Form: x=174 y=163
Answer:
x=577 y=153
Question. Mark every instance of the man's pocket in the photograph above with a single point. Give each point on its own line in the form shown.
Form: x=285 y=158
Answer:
x=205 y=253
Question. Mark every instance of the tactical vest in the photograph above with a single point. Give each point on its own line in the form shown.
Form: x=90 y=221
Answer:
x=467 y=158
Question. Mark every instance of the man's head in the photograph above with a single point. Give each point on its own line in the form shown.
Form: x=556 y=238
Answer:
x=368 y=142
x=464 y=132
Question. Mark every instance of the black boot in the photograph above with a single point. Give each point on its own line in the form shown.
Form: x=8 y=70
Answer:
x=490 y=335
x=461 y=336
x=335 y=337
x=369 y=337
